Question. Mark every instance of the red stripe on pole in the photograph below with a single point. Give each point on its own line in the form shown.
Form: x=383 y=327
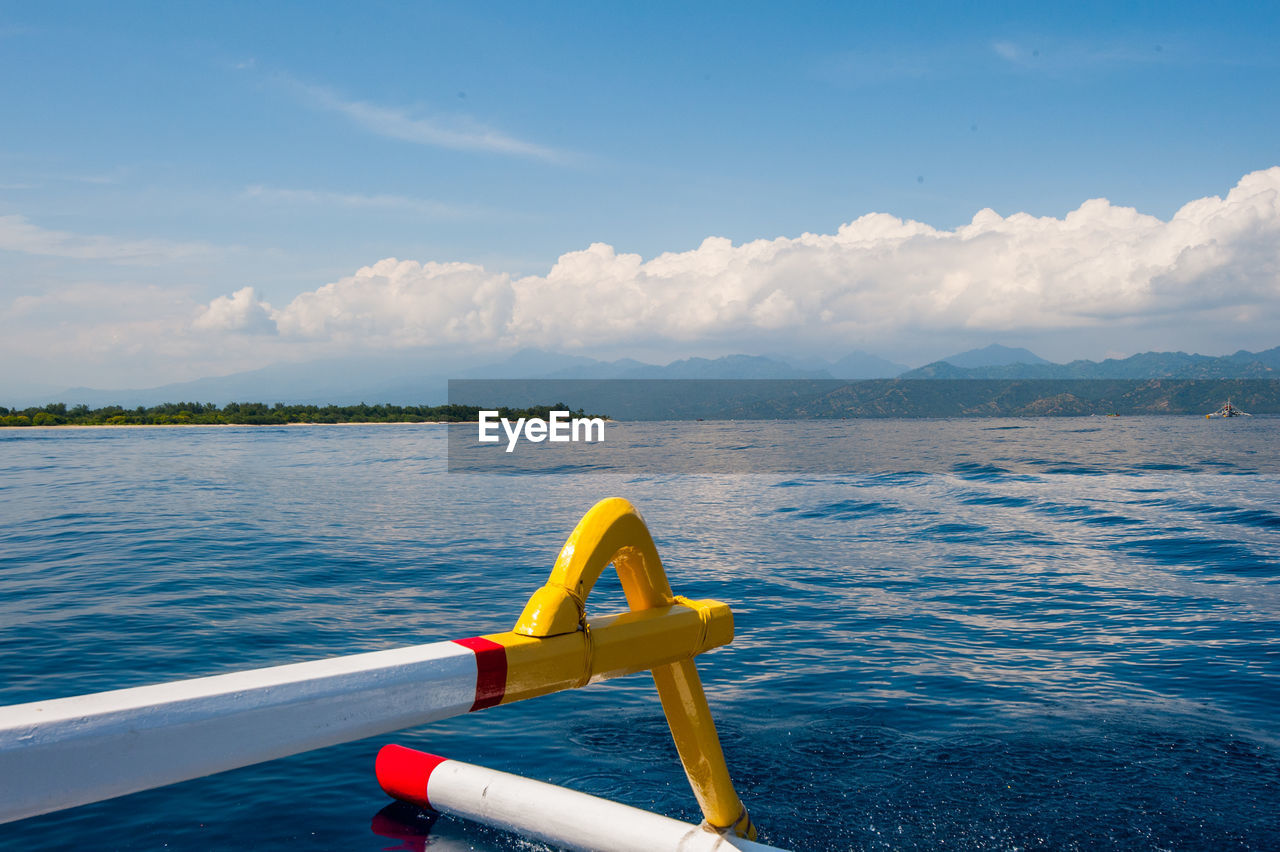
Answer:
x=403 y=773
x=491 y=671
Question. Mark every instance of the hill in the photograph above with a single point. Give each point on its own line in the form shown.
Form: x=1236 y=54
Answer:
x=994 y=355
x=1147 y=365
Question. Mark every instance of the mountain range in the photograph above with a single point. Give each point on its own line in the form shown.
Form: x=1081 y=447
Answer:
x=1147 y=365
x=417 y=378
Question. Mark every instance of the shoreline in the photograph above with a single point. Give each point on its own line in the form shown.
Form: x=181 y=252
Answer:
x=975 y=418
x=228 y=425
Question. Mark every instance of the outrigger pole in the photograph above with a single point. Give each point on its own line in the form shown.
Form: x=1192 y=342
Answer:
x=71 y=751
x=564 y=818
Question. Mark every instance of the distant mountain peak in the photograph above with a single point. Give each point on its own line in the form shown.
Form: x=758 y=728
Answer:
x=864 y=365
x=727 y=367
x=1144 y=365
x=994 y=355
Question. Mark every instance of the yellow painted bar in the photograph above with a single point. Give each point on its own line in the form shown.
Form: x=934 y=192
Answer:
x=613 y=646
x=689 y=718
x=554 y=646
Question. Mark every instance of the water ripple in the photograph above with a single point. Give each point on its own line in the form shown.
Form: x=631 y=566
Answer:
x=1018 y=652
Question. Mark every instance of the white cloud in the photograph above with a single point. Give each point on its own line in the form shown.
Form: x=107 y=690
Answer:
x=17 y=234
x=242 y=311
x=402 y=303
x=396 y=123
x=877 y=278
x=116 y=334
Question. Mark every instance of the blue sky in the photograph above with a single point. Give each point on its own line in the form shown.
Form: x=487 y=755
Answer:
x=158 y=158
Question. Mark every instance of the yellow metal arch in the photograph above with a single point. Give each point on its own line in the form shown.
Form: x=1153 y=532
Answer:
x=614 y=533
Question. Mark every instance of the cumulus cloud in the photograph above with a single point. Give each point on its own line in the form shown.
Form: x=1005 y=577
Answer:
x=404 y=303
x=876 y=277
x=242 y=311
x=120 y=334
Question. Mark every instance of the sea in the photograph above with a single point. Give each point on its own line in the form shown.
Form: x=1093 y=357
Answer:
x=1050 y=634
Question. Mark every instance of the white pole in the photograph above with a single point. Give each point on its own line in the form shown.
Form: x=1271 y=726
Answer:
x=71 y=751
x=559 y=816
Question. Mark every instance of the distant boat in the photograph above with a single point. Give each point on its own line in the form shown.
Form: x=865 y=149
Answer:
x=1229 y=410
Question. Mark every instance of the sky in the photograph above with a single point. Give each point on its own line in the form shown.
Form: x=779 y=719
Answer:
x=190 y=190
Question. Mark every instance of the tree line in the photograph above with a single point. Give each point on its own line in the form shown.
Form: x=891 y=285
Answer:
x=255 y=414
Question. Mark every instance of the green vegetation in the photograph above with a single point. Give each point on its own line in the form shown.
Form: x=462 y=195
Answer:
x=255 y=414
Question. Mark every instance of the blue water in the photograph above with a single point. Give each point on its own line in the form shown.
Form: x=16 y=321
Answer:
x=973 y=658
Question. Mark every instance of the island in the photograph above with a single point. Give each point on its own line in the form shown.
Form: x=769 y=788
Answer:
x=259 y=414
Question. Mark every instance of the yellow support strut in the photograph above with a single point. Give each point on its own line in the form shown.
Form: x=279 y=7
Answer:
x=545 y=654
